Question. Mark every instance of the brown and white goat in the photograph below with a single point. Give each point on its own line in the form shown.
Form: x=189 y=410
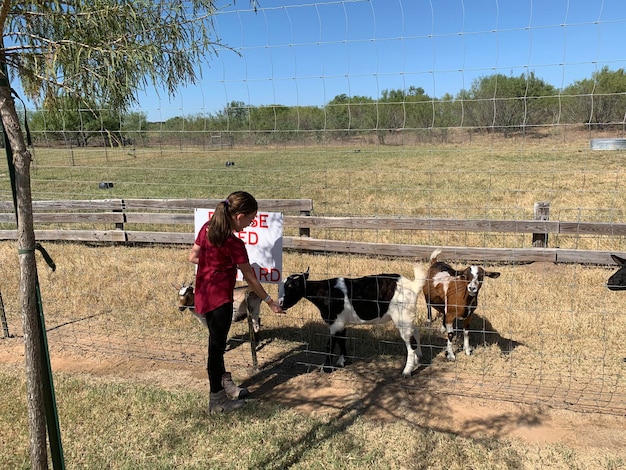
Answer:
x=245 y=302
x=454 y=294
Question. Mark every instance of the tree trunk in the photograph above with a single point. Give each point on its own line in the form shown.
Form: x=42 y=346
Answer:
x=28 y=280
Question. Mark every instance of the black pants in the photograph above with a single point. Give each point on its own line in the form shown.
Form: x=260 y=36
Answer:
x=218 y=321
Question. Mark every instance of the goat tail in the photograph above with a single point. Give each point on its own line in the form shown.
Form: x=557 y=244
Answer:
x=420 y=277
x=434 y=254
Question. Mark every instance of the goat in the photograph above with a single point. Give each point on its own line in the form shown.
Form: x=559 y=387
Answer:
x=246 y=302
x=372 y=299
x=618 y=280
x=454 y=294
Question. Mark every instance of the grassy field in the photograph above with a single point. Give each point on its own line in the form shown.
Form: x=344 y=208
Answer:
x=487 y=178
x=122 y=425
x=129 y=367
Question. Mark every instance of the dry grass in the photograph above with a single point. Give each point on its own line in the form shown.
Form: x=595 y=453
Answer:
x=536 y=325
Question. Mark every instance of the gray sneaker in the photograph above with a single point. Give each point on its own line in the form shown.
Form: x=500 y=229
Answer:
x=232 y=390
x=219 y=403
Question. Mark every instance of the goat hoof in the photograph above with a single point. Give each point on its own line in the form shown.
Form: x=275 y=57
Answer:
x=407 y=373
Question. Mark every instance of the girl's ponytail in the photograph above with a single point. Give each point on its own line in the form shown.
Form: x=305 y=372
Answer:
x=221 y=224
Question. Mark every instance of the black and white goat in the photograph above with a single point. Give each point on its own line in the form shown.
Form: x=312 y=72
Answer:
x=618 y=280
x=366 y=300
x=454 y=294
x=246 y=302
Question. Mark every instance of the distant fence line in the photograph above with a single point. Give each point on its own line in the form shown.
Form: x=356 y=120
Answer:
x=123 y=214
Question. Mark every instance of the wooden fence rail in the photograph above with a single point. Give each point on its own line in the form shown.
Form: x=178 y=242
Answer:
x=122 y=215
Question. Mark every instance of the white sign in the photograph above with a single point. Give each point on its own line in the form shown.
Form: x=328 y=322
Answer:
x=264 y=242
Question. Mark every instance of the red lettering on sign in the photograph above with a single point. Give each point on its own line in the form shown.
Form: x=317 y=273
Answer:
x=260 y=221
x=268 y=275
x=263 y=220
x=249 y=238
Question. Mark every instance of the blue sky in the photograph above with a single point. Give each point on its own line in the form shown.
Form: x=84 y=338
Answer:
x=297 y=52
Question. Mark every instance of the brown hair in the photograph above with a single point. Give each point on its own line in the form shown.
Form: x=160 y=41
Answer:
x=221 y=224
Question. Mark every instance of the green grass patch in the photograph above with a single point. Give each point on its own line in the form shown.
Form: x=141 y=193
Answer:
x=128 y=425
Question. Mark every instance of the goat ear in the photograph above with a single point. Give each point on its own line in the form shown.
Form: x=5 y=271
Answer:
x=618 y=260
x=464 y=273
x=492 y=274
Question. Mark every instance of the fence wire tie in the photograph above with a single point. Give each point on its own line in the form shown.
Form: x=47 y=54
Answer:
x=43 y=252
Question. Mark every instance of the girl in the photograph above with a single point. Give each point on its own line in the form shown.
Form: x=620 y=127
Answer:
x=218 y=253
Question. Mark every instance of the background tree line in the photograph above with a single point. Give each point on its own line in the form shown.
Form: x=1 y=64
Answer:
x=495 y=103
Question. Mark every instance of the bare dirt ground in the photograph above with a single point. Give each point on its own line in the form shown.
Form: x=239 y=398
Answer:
x=384 y=396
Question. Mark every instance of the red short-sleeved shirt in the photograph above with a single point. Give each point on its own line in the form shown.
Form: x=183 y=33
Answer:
x=217 y=271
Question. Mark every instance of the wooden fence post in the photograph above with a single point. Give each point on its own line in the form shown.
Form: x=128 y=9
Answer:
x=541 y=212
x=120 y=226
x=3 y=317
x=305 y=231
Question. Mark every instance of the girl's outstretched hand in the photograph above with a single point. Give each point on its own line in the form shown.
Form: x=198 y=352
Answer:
x=275 y=307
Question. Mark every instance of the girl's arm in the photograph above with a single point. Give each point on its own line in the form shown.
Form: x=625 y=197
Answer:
x=257 y=288
x=194 y=254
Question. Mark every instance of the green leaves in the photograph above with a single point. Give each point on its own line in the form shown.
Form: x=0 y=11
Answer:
x=106 y=50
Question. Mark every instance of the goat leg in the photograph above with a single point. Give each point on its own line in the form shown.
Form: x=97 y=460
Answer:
x=336 y=338
x=411 y=337
x=328 y=364
x=449 y=347
x=466 y=342
x=253 y=342
x=429 y=313
x=340 y=338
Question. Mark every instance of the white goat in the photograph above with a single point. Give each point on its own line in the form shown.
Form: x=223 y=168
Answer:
x=374 y=299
